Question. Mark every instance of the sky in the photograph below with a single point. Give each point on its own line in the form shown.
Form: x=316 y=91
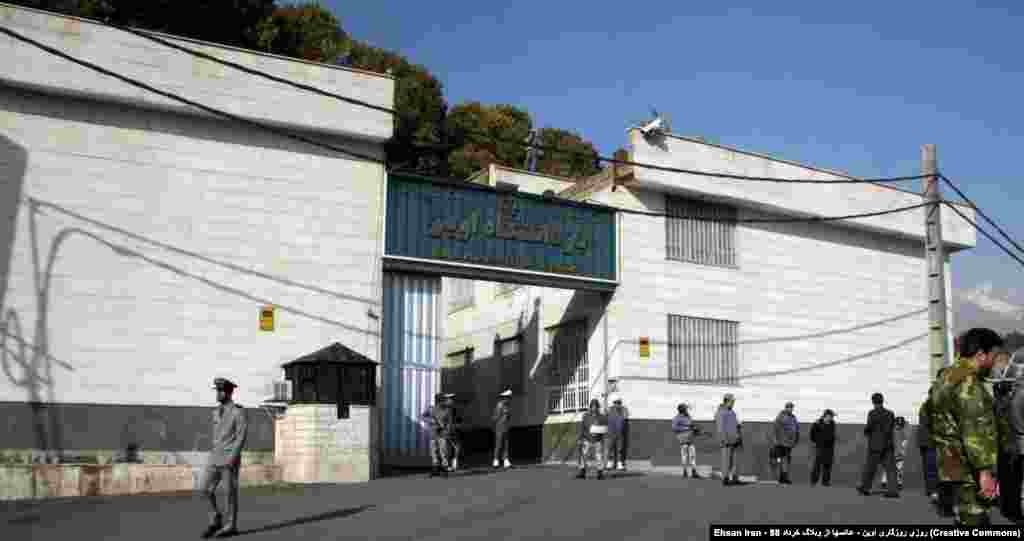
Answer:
x=852 y=86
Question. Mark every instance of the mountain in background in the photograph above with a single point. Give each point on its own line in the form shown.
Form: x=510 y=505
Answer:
x=1001 y=310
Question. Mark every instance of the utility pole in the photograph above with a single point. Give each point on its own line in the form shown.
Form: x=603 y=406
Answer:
x=935 y=256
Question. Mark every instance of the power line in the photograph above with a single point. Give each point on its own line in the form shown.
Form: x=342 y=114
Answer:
x=314 y=142
x=811 y=219
x=986 y=233
x=982 y=214
x=187 y=101
x=596 y=157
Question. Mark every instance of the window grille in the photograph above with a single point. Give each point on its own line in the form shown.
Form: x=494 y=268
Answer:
x=708 y=241
x=703 y=350
x=569 y=376
x=509 y=351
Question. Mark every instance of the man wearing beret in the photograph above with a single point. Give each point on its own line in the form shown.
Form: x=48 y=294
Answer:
x=229 y=431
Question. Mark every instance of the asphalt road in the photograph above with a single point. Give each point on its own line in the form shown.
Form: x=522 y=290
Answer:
x=540 y=502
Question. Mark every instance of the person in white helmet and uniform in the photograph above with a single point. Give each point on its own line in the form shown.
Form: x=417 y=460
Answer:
x=502 y=419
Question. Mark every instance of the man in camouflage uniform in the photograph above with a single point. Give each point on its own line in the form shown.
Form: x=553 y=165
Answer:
x=965 y=432
x=439 y=420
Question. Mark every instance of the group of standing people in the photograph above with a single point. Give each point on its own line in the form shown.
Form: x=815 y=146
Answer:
x=445 y=425
x=602 y=436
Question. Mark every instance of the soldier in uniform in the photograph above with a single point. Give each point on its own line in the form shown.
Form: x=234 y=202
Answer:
x=439 y=419
x=967 y=436
x=225 y=460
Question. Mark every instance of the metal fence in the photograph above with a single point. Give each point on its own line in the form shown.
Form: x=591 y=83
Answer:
x=569 y=384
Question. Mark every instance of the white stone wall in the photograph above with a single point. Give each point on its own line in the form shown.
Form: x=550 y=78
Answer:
x=191 y=77
x=816 y=199
x=158 y=236
x=314 y=446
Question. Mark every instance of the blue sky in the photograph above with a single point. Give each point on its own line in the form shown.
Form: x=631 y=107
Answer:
x=857 y=87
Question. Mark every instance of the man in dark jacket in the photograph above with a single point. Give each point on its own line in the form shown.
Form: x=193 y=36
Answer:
x=823 y=436
x=617 y=419
x=786 y=436
x=1012 y=488
x=1008 y=469
x=881 y=451
x=593 y=428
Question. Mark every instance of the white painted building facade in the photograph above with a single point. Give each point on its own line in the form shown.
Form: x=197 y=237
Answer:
x=821 y=314
x=142 y=237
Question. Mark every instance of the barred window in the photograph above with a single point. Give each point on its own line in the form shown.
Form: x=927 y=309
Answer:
x=509 y=351
x=569 y=368
x=695 y=233
x=703 y=350
x=461 y=295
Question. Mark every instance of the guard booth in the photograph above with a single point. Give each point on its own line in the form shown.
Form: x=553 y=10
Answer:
x=328 y=430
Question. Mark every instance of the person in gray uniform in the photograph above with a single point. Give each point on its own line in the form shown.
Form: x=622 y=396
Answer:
x=225 y=460
x=502 y=422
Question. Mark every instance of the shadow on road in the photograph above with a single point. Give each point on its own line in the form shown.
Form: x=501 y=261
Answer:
x=330 y=515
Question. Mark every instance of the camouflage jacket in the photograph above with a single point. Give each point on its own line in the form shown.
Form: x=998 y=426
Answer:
x=963 y=424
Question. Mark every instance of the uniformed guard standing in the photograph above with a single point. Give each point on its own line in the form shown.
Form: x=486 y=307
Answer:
x=502 y=422
x=438 y=417
x=225 y=460
x=969 y=440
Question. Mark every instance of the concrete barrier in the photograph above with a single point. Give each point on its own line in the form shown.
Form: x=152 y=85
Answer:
x=41 y=481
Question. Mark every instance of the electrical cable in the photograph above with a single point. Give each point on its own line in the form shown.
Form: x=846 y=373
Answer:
x=597 y=157
x=187 y=101
x=314 y=142
x=812 y=219
x=982 y=214
x=986 y=233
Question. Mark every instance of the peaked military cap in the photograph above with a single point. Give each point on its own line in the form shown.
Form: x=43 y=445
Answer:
x=224 y=383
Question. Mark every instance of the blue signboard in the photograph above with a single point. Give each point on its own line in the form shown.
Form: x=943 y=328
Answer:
x=470 y=223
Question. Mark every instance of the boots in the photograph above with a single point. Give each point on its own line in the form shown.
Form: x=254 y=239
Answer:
x=582 y=474
x=784 y=479
x=495 y=463
x=600 y=474
x=507 y=463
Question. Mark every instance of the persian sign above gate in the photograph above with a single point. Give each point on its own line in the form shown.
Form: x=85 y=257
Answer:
x=483 y=226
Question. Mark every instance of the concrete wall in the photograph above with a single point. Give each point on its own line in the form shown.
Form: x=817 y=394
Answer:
x=194 y=78
x=314 y=446
x=814 y=199
x=140 y=242
x=828 y=314
x=526 y=312
x=75 y=480
x=813 y=301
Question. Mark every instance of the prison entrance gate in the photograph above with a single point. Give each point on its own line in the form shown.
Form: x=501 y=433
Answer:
x=476 y=232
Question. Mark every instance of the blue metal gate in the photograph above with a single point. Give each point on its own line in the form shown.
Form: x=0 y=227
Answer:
x=412 y=340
